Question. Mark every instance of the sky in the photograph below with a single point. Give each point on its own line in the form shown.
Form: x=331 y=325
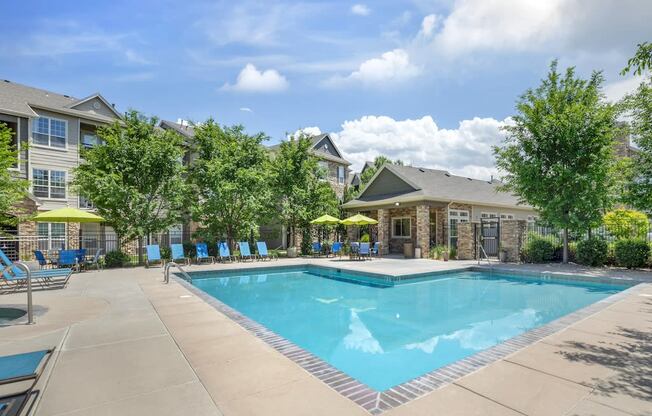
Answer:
x=428 y=81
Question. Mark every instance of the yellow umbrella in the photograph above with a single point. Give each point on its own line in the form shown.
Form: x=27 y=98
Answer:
x=68 y=215
x=359 y=219
x=325 y=220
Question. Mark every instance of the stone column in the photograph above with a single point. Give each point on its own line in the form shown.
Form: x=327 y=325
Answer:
x=28 y=240
x=512 y=234
x=73 y=235
x=465 y=241
x=423 y=229
x=383 y=230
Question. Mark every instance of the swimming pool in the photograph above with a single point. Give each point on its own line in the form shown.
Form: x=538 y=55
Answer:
x=384 y=333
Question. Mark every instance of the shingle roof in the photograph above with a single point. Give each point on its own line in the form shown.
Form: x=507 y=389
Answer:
x=18 y=99
x=315 y=140
x=438 y=185
x=187 y=131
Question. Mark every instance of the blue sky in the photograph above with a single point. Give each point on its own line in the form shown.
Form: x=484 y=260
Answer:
x=430 y=82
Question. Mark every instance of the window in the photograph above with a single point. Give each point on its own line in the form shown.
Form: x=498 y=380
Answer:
x=51 y=235
x=532 y=218
x=89 y=140
x=401 y=227
x=506 y=216
x=175 y=233
x=49 y=183
x=488 y=215
x=49 y=132
x=85 y=203
x=455 y=216
x=340 y=174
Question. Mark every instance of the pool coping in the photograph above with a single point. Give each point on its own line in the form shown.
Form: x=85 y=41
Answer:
x=376 y=402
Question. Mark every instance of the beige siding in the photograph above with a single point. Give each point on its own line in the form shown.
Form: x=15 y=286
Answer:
x=519 y=214
x=89 y=106
x=57 y=159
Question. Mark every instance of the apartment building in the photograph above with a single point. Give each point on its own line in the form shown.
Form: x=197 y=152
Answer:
x=49 y=131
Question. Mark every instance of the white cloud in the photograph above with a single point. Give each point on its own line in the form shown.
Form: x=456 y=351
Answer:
x=360 y=10
x=136 y=57
x=246 y=109
x=310 y=131
x=614 y=91
x=552 y=26
x=428 y=25
x=466 y=150
x=392 y=66
x=251 y=79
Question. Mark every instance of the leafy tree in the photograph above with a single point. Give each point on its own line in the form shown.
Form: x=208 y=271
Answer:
x=641 y=60
x=558 y=151
x=230 y=177
x=135 y=177
x=300 y=190
x=626 y=223
x=12 y=189
x=637 y=108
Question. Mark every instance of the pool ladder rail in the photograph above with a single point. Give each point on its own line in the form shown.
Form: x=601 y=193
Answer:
x=28 y=273
x=166 y=272
x=486 y=257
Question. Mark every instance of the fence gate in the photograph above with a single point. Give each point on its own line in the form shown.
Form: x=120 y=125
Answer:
x=490 y=236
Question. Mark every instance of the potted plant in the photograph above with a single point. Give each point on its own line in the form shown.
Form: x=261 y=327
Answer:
x=445 y=255
x=502 y=255
x=292 y=252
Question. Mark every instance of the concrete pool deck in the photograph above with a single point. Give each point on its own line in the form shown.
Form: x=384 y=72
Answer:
x=128 y=344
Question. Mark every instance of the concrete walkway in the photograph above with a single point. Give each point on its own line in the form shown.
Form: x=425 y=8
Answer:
x=130 y=345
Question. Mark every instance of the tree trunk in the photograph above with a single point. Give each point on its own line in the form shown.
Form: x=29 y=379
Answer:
x=140 y=250
x=565 y=256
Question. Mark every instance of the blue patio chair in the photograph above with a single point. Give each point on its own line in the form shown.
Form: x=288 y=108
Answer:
x=336 y=249
x=68 y=258
x=14 y=278
x=95 y=261
x=245 y=251
x=153 y=255
x=202 y=253
x=261 y=246
x=375 y=251
x=40 y=257
x=364 y=251
x=177 y=253
x=316 y=248
x=224 y=252
x=81 y=256
x=22 y=371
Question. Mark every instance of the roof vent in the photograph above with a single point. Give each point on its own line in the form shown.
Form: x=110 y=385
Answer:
x=469 y=179
x=422 y=170
x=447 y=174
x=67 y=96
x=6 y=80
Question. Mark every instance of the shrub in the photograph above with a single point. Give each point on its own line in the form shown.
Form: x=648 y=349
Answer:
x=189 y=250
x=306 y=242
x=115 y=258
x=626 y=223
x=364 y=238
x=437 y=252
x=452 y=254
x=166 y=253
x=592 y=252
x=538 y=250
x=631 y=253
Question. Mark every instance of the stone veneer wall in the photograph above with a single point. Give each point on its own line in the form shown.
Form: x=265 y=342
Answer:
x=465 y=243
x=512 y=233
x=423 y=229
x=384 y=230
x=25 y=228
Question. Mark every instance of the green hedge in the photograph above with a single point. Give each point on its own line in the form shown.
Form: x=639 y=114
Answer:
x=538 y=250
x=592 y=252
x=116 y=259
x=631 y=253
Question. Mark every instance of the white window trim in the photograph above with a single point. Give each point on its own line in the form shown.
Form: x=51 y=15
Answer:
x=343 y=178
x=49 y=145
x=506 y=216
x=455 y=214
x=409 y=236
x=49 y=198
x=49 y=236
x=489 y=215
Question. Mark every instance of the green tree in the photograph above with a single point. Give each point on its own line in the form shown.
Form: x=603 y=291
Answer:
x=558 y=151
x=135 y=177
x=637 y=108
x=301 y=193
x=12 y=189
x=641 y=60
x=626 y=223
x=230 y=177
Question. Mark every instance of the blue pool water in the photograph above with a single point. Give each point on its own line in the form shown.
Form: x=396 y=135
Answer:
x=383 y=336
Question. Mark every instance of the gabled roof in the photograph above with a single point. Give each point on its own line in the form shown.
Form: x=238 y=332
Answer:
x=184 y=130
x=411 y=184
x=21 y=100
x=99 y=97
x=323 y=155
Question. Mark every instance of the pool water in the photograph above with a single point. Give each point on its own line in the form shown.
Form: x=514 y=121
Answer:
x=384 y=335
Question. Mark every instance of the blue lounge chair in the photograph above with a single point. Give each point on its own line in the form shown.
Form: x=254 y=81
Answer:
x=224 y=252
x=261 y=246
x=95 y=261
x=375 y=251
x=178 y=254
x=68 y=258
x=336 y=249
x=15 y=278
x=316 y=248
x=23 y=371
x=245 y=251
x=40 y=257
x=153 y=255
x=202 y=253
x=364 y=251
